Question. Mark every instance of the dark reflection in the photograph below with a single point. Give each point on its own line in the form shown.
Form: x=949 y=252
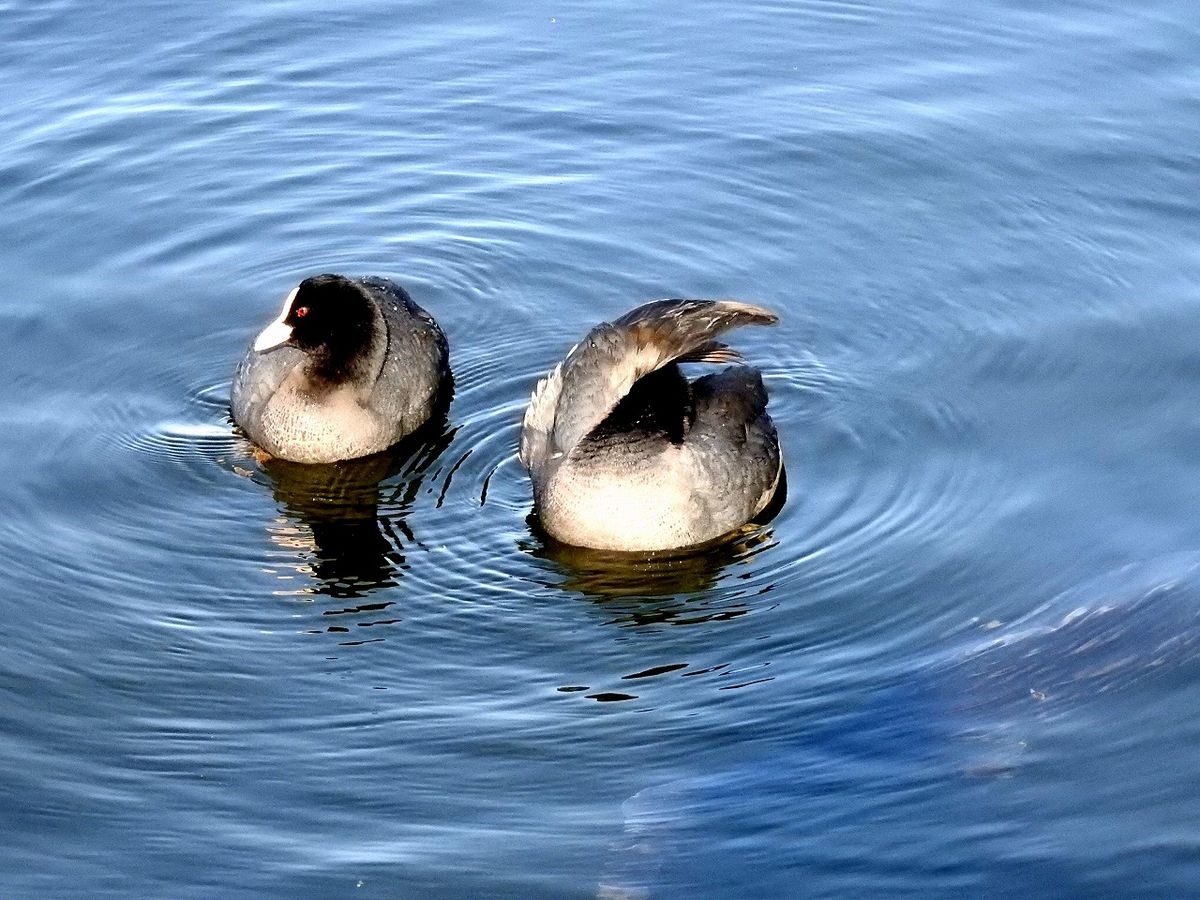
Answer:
x=355 y=512
x=666 y=587
x=975 y=716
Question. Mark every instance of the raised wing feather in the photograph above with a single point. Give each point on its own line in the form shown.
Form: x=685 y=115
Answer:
x=598 y=371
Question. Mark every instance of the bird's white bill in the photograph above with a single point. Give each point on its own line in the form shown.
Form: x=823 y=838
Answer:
x=277 y=332
x=272 y=336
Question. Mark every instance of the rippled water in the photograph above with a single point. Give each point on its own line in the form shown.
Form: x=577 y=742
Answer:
x=962 y=659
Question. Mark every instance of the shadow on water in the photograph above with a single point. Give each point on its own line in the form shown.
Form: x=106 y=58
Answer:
x=352 y=515
x=967 y=726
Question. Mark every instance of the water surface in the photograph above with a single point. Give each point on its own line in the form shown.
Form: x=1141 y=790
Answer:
x=961 y=660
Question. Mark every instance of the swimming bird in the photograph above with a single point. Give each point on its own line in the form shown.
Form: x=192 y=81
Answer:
x=351 y=366
x=625 y=453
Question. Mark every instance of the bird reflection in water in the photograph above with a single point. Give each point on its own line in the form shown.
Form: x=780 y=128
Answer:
x=348 y=519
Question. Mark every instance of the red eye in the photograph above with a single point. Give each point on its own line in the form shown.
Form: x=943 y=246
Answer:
x=301 y=312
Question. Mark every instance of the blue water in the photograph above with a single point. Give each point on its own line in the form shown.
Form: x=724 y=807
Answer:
x=963 y=660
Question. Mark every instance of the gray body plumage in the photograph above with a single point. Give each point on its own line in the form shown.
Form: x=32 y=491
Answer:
x=626 y=454
x=395 y=382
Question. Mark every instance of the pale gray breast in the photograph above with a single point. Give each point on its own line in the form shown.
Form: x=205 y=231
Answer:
x=258 y=377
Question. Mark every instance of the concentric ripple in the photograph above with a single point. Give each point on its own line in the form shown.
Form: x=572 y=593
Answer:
x=880 y=472
x=197 y=435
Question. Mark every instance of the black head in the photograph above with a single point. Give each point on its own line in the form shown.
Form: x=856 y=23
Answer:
x=332 y=318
